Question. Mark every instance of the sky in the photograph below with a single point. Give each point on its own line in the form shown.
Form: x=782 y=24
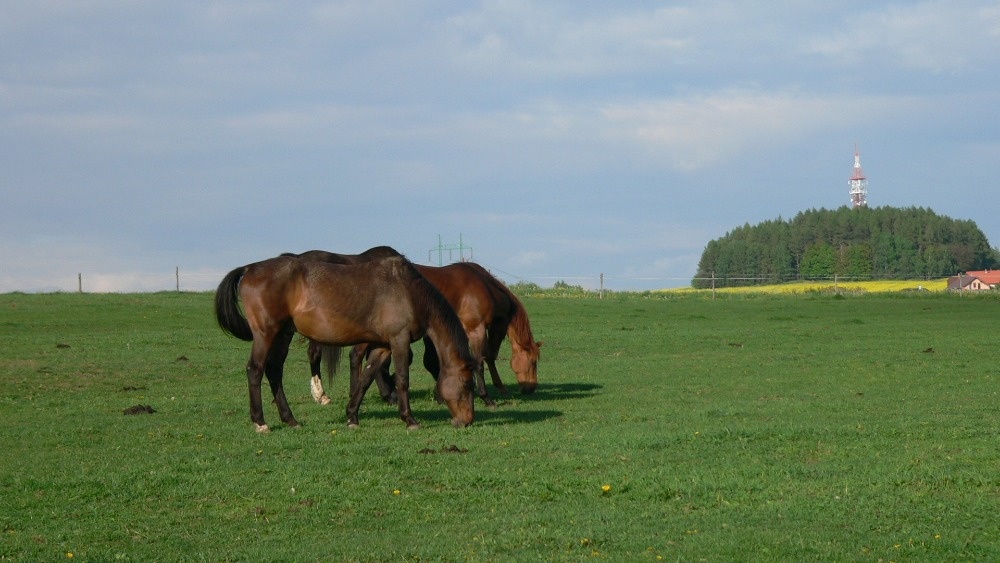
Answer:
x=149 y=145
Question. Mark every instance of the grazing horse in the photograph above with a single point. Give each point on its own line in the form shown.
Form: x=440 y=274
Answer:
x=469 y=287
x=384 y=301
x=488 y=312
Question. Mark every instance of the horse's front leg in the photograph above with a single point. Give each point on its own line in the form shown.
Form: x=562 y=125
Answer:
x=495 y=376
x=401 y=357
x=493 y=342
x=433 y=365
x=274 y=370
x=477 y=343
x=363 y=382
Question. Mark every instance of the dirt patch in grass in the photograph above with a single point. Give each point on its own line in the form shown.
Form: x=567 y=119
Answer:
x=452 y=449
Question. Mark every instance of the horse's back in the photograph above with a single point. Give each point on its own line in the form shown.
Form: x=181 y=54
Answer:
x=374 y=253
x=461 y=287
x=504 y=302
x=364 y=302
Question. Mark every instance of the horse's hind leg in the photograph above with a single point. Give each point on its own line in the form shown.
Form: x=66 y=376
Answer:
x=363 y=356
x=274 y=370
x=315 y=353
x=255 y=374
x=362 y=381
x=493 y=342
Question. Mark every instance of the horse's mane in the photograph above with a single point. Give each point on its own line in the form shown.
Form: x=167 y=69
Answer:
x=428 y=299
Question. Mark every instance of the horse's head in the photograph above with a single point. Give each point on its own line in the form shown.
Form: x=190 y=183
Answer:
x=524 y=362
x=455 y=388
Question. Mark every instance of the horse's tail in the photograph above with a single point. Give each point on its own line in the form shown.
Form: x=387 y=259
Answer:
x=331 y=356
x=227 y=306
x=518 y=322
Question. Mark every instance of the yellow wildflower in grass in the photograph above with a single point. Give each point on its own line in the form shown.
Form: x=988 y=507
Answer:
x=396 y=492
x=606 y=488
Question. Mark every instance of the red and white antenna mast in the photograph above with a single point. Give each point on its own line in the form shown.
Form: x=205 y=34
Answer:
x=858 y=183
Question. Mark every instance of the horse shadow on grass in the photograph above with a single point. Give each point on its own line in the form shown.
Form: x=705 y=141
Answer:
x=502 y=415
x=563 y=391
x=484 y=416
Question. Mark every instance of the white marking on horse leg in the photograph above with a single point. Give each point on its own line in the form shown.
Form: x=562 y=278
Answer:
x=316 y=386
x=262 y=428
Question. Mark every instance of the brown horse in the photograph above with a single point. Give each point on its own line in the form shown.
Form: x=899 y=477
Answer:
x=489 y=312
x=384 y=301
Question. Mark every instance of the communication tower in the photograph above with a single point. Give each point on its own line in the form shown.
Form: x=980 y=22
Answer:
x=858 y=183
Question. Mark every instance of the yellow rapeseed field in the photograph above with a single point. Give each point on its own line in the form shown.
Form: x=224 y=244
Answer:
x=875 y=286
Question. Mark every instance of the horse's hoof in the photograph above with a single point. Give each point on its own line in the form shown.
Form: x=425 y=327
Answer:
x=262 y=428
x=353 y=425
x=413 y=426
x=324 y=400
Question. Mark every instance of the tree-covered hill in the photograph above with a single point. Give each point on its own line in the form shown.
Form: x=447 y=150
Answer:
x=862 y=243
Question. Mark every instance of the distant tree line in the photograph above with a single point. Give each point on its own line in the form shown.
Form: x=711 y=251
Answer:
x=862 y=243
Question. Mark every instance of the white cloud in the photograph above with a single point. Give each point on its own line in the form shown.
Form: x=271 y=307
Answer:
x=695 y=132
x=937 y=36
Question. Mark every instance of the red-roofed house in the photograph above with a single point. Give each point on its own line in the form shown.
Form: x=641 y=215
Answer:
x=975 y=281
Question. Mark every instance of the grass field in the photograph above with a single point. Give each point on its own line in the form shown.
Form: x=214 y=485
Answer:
x=665 y=427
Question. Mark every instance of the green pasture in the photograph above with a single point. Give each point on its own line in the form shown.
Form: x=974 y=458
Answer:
x=665 y=427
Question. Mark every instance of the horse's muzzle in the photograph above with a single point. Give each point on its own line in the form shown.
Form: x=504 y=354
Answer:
x=527 y=388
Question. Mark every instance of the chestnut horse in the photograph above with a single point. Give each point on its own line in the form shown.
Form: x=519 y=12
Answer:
x=383 y=301
x=476 y=294
x=489 y=312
